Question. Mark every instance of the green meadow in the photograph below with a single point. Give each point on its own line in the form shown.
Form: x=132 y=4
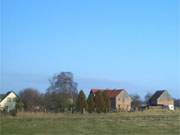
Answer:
x=123 y=123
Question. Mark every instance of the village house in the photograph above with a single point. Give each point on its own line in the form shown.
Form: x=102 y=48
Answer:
x=120 y=100
x=162 y=98
x=8 y=101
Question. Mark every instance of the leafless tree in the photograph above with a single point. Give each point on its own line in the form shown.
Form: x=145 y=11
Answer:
x=31 y=99
x=136 y=102
x=63 y=83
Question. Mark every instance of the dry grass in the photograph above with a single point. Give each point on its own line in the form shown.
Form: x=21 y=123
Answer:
x=151 y=122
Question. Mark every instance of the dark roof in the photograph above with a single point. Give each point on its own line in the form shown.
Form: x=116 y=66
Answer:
x=4 y=96
x=156 y=95
x=110 y=92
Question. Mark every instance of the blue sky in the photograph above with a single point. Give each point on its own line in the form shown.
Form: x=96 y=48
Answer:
x=131 y=44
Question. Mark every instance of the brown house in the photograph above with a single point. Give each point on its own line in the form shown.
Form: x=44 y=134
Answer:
x=162 y=98
x=120 y=100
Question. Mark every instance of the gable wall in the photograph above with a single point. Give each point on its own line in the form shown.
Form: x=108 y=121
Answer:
x=9 y=101
x=123 y=101
x=165 y=99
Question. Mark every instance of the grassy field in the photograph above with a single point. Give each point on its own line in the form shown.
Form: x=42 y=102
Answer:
x=136 y=123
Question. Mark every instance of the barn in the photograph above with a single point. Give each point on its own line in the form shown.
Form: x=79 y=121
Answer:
x=162 y=98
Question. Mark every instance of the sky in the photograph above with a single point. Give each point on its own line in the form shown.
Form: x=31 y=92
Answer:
x=130 y=44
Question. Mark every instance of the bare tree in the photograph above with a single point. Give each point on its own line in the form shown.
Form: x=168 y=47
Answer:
x=31 y=99
x=136 y=102
x=63 y=83
x=64 y=90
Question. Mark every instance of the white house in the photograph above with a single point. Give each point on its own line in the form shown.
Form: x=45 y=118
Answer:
x=8 y=102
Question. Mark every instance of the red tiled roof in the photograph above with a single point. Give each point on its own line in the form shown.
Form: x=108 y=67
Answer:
x=110 y=92
x=113 y=93
x=94 y=90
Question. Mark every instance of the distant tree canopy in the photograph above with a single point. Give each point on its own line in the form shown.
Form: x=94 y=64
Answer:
x=63 y=83
x=57 y=102
x=62 y=92
x=90 y=103
x=81 y=102
x=136 y=102
x=31 y=99
x=107 y=102
x=19 y=105
x=99 y=102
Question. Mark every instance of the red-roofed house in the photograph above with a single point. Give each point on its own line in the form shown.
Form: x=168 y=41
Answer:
x=120 y=100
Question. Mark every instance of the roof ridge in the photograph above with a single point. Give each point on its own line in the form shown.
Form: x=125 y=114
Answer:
x=7 y=93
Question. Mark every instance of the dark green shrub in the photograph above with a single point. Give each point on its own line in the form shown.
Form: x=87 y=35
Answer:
x=13 y=112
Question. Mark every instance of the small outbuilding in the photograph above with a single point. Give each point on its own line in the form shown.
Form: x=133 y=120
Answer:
x=162 y=98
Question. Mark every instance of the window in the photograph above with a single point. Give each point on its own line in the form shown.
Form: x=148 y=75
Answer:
x=9 y=99
x=6 y=108
x=14 y=99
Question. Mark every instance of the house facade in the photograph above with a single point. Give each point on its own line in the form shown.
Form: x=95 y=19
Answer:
x=120 y=100
x=162 y=98
x=8 y=102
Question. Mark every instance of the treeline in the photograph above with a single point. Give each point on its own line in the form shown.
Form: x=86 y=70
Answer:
x=33 y=101
x=62 y=96
x=98 y=103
